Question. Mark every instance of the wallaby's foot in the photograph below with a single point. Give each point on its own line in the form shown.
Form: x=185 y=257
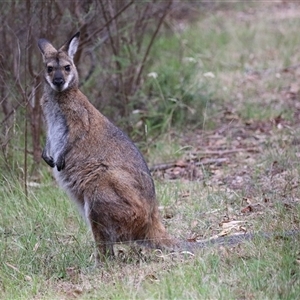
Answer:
x=103 y=255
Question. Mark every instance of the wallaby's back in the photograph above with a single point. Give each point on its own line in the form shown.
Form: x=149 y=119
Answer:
x=95 y=162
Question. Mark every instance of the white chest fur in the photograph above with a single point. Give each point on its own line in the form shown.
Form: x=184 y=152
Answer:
x=57 y=130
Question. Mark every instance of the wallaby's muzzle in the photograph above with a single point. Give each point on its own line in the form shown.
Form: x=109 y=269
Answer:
x=58 y=82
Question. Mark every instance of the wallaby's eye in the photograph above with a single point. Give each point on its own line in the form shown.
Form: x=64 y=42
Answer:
x=49 y=69
x=67 y=68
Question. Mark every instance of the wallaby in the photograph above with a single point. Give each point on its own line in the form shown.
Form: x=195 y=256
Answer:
x=99 y=166
x=95 y=162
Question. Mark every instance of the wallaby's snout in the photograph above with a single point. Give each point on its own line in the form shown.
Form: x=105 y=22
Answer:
x=58 y=80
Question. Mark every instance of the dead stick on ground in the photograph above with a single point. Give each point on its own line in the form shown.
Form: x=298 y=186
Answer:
x=224 y=152
x=273 y=70
x=170 y=165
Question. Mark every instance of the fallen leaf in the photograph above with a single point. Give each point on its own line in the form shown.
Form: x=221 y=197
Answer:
x=152 y=278
x=294 y=88
x=247 y=209
x=194 y=223
x=231 y=224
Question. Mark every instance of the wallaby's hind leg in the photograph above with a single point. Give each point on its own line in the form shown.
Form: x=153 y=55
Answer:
x=104 y=242
x=104 y=245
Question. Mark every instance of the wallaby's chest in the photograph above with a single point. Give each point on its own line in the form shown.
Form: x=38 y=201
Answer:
x=57 y=132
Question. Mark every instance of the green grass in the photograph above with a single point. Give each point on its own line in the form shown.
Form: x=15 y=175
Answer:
x=45 y=253
x=45 y=247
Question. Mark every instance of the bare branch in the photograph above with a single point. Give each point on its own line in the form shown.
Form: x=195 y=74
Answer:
x=142 y=65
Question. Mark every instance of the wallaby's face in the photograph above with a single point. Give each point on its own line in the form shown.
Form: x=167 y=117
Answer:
x=60 y=71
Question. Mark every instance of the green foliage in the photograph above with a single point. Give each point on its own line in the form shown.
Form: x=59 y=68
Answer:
x=174 y=95
x=33 y=245
x=175 y=100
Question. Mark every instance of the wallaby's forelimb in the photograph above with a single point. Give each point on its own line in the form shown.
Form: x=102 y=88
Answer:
x=60 y=161
x=47 y=158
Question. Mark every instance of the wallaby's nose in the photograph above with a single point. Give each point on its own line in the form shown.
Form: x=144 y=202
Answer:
x=58 y=81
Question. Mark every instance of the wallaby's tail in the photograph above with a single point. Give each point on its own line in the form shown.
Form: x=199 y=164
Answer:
x=158 y=237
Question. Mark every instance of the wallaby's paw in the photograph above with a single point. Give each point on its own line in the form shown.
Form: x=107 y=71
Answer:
x=60 y=163
x=49 y=160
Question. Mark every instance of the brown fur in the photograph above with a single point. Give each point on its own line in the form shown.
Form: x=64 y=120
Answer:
x=95 y=162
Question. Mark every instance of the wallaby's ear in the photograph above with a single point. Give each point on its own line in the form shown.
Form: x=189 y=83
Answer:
x=45 y=47
x=71 y=46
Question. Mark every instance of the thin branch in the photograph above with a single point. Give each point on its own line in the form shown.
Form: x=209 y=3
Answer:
x=83 y=42
x=138 y=78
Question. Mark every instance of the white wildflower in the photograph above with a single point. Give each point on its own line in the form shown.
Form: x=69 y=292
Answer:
x=209 y=75
x=153 y=75
x=190 y=59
